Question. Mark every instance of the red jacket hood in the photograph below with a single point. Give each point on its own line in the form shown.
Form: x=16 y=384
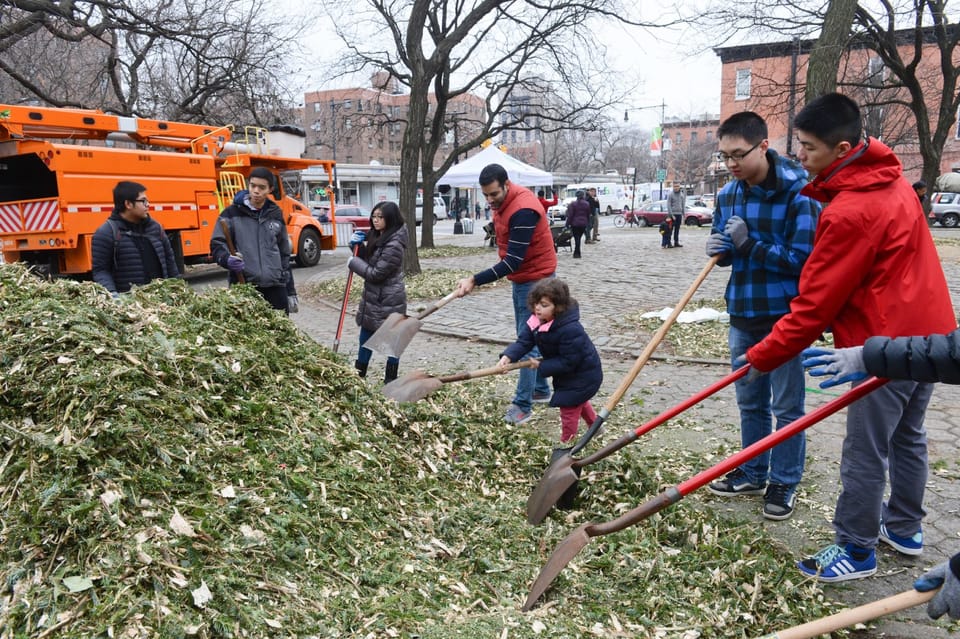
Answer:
x=877 y=166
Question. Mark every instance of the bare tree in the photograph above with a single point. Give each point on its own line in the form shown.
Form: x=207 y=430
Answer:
x=508 y=52
x=193 y=60
x=908 y=98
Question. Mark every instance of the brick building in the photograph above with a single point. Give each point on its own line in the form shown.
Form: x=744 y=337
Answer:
x=769 y=78
x=689 y=156
x=366 y=124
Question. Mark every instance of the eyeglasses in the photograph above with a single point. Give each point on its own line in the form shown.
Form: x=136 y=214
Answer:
x=736 y=157
x=143 y=201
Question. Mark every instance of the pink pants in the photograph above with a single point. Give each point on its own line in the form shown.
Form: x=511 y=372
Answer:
x=570 y=419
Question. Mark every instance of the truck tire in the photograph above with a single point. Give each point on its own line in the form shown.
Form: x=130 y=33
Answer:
x=177 y=246
x=308 y=248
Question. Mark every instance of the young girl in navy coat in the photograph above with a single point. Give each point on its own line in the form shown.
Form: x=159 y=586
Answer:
x=568 y=355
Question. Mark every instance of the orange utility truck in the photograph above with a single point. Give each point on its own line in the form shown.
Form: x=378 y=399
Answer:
x=58 y=168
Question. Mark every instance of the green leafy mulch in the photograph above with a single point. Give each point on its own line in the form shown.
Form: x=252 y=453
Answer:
x=176 y=464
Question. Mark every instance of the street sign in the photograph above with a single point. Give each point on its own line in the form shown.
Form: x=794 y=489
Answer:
x=661 y=175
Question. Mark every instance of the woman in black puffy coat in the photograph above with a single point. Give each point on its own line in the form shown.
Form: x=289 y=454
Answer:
x=568 y=355
x=379 y=262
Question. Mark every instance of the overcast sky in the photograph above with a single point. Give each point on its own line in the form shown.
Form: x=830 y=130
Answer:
x=676 y=67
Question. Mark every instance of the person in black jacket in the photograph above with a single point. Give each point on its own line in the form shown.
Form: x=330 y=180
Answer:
x=935 y=358
x=131 y=248
x=568 y=354
x=379 y=262
x=259 y=235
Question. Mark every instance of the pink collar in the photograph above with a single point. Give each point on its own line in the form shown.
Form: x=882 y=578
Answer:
x=535 y=325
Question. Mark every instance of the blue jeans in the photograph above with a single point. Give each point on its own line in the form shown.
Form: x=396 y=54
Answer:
x=364 y=354
x=529 y=380
x=782 y=392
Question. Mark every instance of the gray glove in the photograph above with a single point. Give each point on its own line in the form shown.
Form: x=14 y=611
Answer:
x=736 y=228
x=844 y=364
x=235 y=264
x=752 y=374
x=718 y=243
x=948 y=599
x=293 y=304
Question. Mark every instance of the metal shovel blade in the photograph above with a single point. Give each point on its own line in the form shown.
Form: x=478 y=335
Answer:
x=567 y=550
x=394 y=335
x=412 y=387
x=558 y=478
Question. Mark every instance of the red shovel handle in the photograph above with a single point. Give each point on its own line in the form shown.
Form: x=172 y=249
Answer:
x=665 y=416
x=681 y=490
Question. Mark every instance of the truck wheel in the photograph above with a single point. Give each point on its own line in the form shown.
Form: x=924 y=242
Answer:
x=177 y=246
x=308 y=251
x=949 y=220
x=609 y=210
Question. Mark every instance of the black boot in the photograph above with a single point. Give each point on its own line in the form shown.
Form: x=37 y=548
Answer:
x=391 y=372
x=361 y=367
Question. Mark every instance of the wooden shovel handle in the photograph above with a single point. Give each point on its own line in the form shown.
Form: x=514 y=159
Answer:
x=851 y=616
x=230 y=247
x=436 y=306
x=483 y=372
x=659 y=335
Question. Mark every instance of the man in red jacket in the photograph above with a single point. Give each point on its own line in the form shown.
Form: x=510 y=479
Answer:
x=873 y=271
x=527 y=255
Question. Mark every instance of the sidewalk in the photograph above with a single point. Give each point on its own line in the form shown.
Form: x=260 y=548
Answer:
x=628 y=271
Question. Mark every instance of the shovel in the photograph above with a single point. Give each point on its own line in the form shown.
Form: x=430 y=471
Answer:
x=394 y=335
x=575 y=541
x=560 y=453
x=343 y=308
x=416 y=385
x=851 y=616
x=565 y=471
x=230 y=247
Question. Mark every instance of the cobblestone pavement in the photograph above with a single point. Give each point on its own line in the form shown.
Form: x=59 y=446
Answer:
x=628 y=271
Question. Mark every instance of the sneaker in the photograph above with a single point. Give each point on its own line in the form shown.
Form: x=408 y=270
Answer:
x=516 y=415
x=778 y=501
x=735 y=483
x=906 y=545
x=836 y=563
x=542 y=398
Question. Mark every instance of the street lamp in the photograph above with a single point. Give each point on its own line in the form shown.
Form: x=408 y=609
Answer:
x=455 y=116
x=661 y=171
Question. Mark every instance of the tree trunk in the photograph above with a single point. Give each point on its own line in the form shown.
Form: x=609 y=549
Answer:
x=825 y=56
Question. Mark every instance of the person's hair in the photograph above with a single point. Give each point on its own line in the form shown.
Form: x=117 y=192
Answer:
x=493 y=173
x=124 y=192
x=746 y=124
x=392 y=220
x=263 y=173
x=581 y=195
x=555 y=290
x=832 y=118
x=919 y=184
x=540 y=193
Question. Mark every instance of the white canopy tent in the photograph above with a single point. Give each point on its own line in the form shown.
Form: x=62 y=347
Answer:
x=466 y=174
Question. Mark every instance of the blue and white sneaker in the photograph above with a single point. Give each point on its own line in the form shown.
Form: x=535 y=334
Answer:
x=907 y=545
x=836 y=563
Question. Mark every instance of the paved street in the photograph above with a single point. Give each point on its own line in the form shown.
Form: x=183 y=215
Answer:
x=628 y=271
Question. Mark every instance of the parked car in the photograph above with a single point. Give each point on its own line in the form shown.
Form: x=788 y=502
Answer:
x=359 y=216
x=652 y=213
x=439 y=209
x=945 y=209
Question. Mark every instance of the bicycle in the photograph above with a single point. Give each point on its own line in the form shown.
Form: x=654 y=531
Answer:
x=629 y=217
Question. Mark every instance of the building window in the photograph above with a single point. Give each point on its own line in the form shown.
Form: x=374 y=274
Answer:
x=316 y=107
x=743 y=84
x=679 y=138
x=693 y=137
x=709 y=136
x=347 y=123
x=347 y=105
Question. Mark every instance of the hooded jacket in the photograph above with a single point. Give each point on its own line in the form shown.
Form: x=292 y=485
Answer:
x=261 y=238
x=569 y=357
x=874 y=269
x=117 y=261
x=781 y=223
x=578 y=213
x=382 y=271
